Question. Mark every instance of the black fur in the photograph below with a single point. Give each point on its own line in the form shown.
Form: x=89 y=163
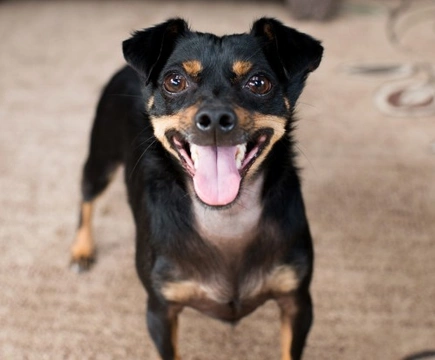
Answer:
x=170 y=247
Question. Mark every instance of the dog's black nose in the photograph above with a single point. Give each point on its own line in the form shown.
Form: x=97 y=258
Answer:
x=208 y=120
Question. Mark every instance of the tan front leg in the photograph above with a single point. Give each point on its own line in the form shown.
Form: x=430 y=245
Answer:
x=174 y=337
x=286 y=336
x=83 y=248
x=296 y=319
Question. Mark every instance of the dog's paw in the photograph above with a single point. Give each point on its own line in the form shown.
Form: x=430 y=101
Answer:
x=82 y=264
x=82 y=250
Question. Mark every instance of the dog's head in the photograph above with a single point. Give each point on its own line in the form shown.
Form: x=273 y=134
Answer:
x=219 y=104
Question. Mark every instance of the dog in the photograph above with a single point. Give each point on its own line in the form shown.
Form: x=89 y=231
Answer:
x=203 y=125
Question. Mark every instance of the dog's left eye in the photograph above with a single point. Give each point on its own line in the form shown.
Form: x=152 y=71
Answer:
x=259 y=85
x=175 y=83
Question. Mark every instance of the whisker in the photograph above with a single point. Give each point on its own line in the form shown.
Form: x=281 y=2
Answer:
x=185 y=196
x=127 y=95
x=306 y=104
x=140 y=133
x=140 y=158
x=256 y=52
x=305 y=156
x=144 y=142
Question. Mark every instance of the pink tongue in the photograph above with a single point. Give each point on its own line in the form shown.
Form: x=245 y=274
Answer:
x=216 y=179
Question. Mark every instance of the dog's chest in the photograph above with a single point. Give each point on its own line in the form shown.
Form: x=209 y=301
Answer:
x=231 y=230
x=218 y=297
x=229 y=294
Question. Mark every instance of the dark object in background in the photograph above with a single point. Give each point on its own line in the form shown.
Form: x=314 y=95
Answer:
x=313 y=9
x=424 y=355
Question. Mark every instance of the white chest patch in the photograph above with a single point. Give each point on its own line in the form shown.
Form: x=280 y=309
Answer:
x=233 y=228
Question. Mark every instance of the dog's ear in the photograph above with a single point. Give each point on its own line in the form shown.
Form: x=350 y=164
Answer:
x=147 y=50
x=287 y=50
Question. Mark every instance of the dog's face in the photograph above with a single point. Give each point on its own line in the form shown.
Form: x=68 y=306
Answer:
x=219 y=104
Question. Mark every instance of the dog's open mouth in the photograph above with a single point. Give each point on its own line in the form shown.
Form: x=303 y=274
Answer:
x=217 y=171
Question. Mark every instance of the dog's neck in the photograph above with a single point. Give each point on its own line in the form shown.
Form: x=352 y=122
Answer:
x=231 y=229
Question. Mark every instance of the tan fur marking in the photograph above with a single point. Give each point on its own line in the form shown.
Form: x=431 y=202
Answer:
x=179 y=122
x=83 y=246
x=244 y=118
x=150 y=103
x=187 y=290
x=277 y=124
x=186 y=117
x=163 y=124
x=241 y=68
x=182 y=291
x=258 y=121
x=174 y=337
x=281 y=280
x=192 y=67
x=286 y=337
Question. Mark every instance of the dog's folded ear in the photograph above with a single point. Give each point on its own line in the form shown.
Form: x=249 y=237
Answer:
x=289 y=51
x=147 y=50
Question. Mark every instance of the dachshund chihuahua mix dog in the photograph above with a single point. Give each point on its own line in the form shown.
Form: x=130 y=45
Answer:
x=203 y=125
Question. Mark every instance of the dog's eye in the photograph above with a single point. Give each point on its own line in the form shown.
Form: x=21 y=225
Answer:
x=259 y=85
x=175 y=83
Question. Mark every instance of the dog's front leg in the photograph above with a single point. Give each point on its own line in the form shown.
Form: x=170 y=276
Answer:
x=162 y=322
x=296 y=319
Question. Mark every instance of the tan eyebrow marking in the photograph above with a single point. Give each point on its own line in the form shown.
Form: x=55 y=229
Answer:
x=192 y=67
x=241 y=68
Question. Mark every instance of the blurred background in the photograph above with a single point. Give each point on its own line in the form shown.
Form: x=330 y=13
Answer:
x=366 y=137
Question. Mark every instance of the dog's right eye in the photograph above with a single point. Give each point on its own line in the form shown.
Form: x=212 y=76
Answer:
x=175 y=83
x=259 y=85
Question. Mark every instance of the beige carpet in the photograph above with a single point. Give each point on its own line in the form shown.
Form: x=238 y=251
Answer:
x=369 y=184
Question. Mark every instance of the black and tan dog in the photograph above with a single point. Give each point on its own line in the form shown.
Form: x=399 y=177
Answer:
x=203 y=125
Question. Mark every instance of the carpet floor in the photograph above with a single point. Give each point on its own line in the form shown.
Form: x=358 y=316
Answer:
x=369 y=186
